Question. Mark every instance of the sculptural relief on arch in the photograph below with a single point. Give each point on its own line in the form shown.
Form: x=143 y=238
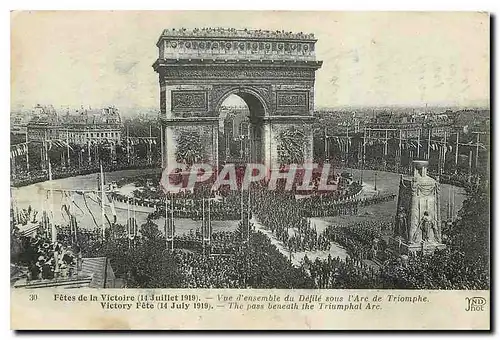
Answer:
x=273 y=74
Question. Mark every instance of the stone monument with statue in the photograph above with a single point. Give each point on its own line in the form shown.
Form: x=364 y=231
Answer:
x=417 y=225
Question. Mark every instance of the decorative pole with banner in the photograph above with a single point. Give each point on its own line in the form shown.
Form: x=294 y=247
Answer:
x=128 y=147
x=172 y=224
x=169 y=224
x=150 y=155
x=203 y=224
x=429 y=144
x=27 y=154
x=53 y=226
x=67 y=147
x=161 y=146
x=88 y=149
x=400 y=150
x=103 y=216
x=418 y=143
x=347 y=147
x=209 y=227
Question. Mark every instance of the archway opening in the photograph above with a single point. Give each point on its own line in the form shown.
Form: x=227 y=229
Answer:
x=241 y=129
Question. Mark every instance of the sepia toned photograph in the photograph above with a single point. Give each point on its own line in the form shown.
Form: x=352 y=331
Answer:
x=226 y=162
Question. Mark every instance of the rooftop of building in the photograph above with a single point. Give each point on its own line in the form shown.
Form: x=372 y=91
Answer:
x=82 y=116
x=221 y=32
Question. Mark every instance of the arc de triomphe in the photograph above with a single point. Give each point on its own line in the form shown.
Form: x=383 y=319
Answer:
x=273 y=72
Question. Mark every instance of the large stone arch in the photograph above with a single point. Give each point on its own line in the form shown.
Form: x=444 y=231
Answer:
x=273 y=72
x=251 y=95
x=259 y=109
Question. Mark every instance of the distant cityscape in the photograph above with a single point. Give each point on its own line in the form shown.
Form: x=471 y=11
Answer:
x=355 y=117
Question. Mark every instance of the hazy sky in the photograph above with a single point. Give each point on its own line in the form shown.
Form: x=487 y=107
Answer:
x=103 y=58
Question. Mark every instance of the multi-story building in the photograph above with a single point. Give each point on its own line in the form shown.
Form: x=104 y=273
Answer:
x=91 y=125
x=43 y=125
x=19 y=122
x=78 y=128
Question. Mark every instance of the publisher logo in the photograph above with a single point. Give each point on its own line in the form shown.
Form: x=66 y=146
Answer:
x=475 y=304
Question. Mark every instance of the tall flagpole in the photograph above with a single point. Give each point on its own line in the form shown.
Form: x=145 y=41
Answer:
x=203 y=228
x=88 y=149
x=42 y=156
x=456 y=149
x=103 y=218
x=429 y=145
x=347 y=147
x=326 y=144
x=172 y=222
x=128 y=222
x=248 y=216
x=470 y=164
x=449 y=203
x=209 y=229
x=444 y=151
x=166 y=223
x=128 y=147
x=27 y=153
x=364 y=156
x=67 y=147
x=453 y=204
x=54 y=230
x=418 y=143
x=162 y=146
x=134 y=209
x=46 y=150
x=477 y=150
x=150 y=156
x=385 y=147
x=400 y=151
x=241 y=203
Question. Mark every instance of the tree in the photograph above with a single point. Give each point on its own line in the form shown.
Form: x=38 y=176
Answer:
x=471 y=233
x=150 y=231
x=152 y=266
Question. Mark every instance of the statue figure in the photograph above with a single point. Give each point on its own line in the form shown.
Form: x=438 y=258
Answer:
x=401 y=224
x=425 y=226
x=436 y=232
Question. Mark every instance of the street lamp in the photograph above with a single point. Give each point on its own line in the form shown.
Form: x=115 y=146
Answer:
x=375 y=180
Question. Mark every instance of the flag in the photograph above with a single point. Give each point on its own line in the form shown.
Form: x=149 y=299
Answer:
x=132 y=225
x=111 y=206
x=169 y=228
x=444 y=149
x=66 y=206
x=66 y=144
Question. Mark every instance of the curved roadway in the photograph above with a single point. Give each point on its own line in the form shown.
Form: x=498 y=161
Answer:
x=32 y=194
